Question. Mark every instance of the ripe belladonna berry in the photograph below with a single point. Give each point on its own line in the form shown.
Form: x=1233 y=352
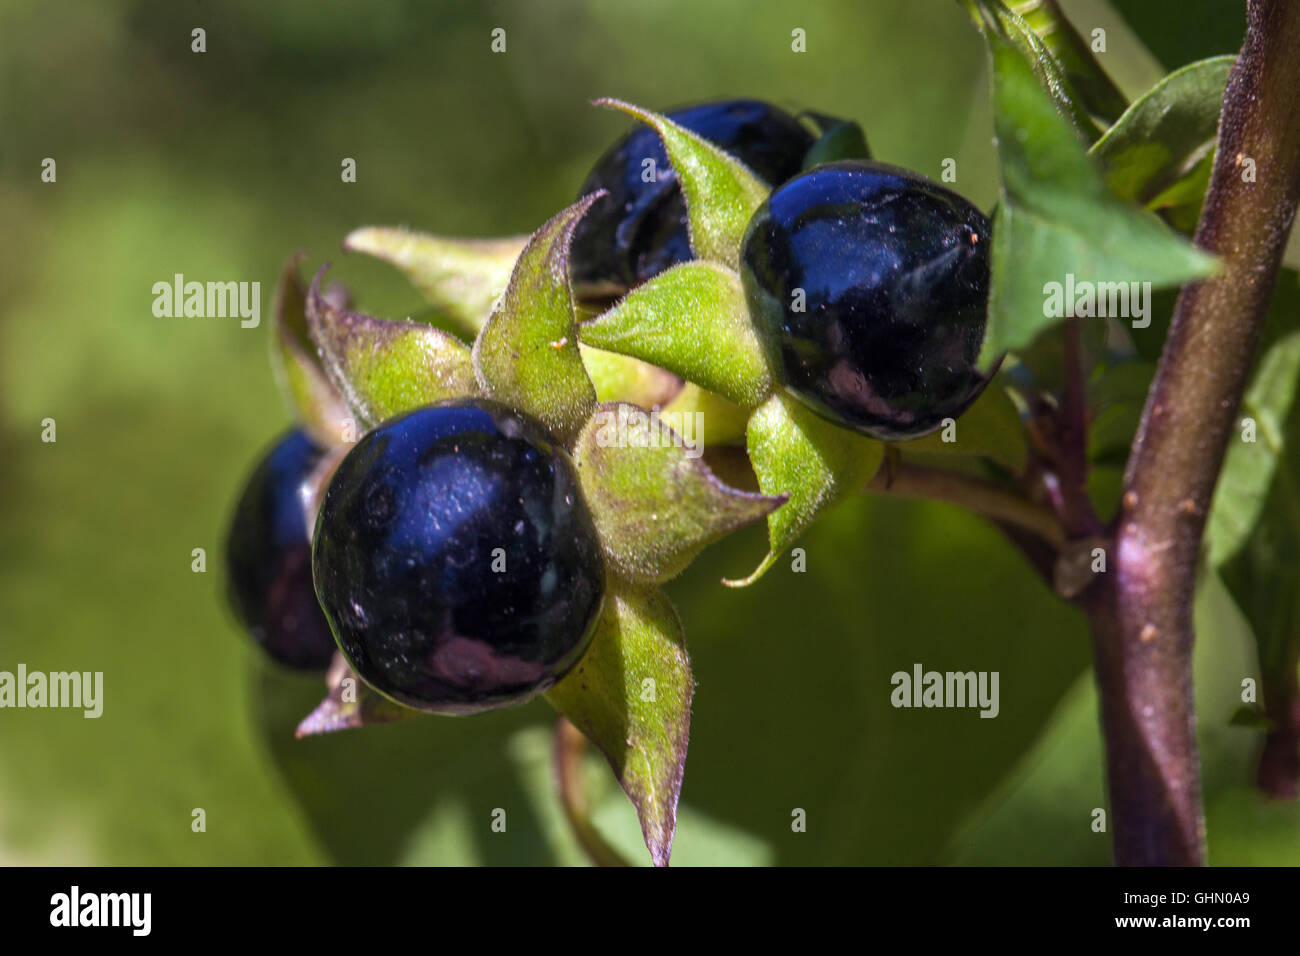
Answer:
x=456 y=559
x=268 y=558
x=640 y=228
x=868 y=285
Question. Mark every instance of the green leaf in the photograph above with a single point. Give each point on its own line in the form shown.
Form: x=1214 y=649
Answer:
x=460 y=278
x=655 y=503
x=991 y=428
x=691 y=320
x=1057 y=219
x=1004 y=29
x=527 y=352
x=384 y=368
x=315 y=402
x=1160 y=151
x=1253 y=533
x=630 y=695
x=1095 y=90
x=795 y=452
x=1251 y=468
x=350 y=703
x=721 y=192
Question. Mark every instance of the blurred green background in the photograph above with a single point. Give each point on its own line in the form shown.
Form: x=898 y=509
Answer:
x=217 y=165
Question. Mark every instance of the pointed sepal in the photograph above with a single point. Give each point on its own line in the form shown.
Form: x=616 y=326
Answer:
x=460 y=278
x=630 y=695
x=384 y=368
x=691 y=320
x=527 y=352
x=655 y=503
x=350 y=703
x=795 y=452
x=721 y=192
x=315 y=402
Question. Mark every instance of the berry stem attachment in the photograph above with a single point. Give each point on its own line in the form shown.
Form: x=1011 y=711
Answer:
x=570 y=745
x=1141 y=612
x=1000 y=504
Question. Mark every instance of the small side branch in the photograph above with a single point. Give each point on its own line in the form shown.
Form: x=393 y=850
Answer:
x=996 y=502
x=570 y=745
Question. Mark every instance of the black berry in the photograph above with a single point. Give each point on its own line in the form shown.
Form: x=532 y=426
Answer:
x=640 y=228
x=268 y=559
x=869 y=286
x=456 y=559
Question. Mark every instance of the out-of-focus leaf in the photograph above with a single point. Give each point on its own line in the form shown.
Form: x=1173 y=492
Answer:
x=1095 y=90
x=384 y=368
x=622 y=378
x=991 y=428
x=692 y=321
x=1251 y=468
x=797 y=453
x=655 y=503
x=1003 y=28
x=1160 y=151
x=350 y=703
x=315 y=402
x=721 y=192
x=1259 y=494
x=1250 y=716
x=1150 y=341
x=527 y=352
x=630 y=695
x=1116 y=396
x=1042 y=362
x=1028 y=820
x=1180 y=204
x=722 y=422
x=1057 y=219
x=460 y=278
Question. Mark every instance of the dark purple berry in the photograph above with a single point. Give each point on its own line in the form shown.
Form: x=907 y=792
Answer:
x=456 y=559
x=869 y=287
x=640 y=228
x=268 y=559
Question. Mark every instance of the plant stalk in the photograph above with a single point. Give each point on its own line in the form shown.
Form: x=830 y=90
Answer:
x=1141 y=612
x=1002 y=505
x=570 y=745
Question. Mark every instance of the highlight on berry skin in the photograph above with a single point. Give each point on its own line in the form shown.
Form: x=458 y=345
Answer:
x=868 y=284
x=268 y=558
x=639 y=229
x=455 y=558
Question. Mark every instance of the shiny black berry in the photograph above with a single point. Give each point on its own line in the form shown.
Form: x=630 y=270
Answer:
x=268 y=559
x=456 y=559
x=869 y=286
x=640 y=228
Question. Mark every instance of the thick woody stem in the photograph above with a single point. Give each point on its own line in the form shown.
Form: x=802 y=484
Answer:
x=1141 y=612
